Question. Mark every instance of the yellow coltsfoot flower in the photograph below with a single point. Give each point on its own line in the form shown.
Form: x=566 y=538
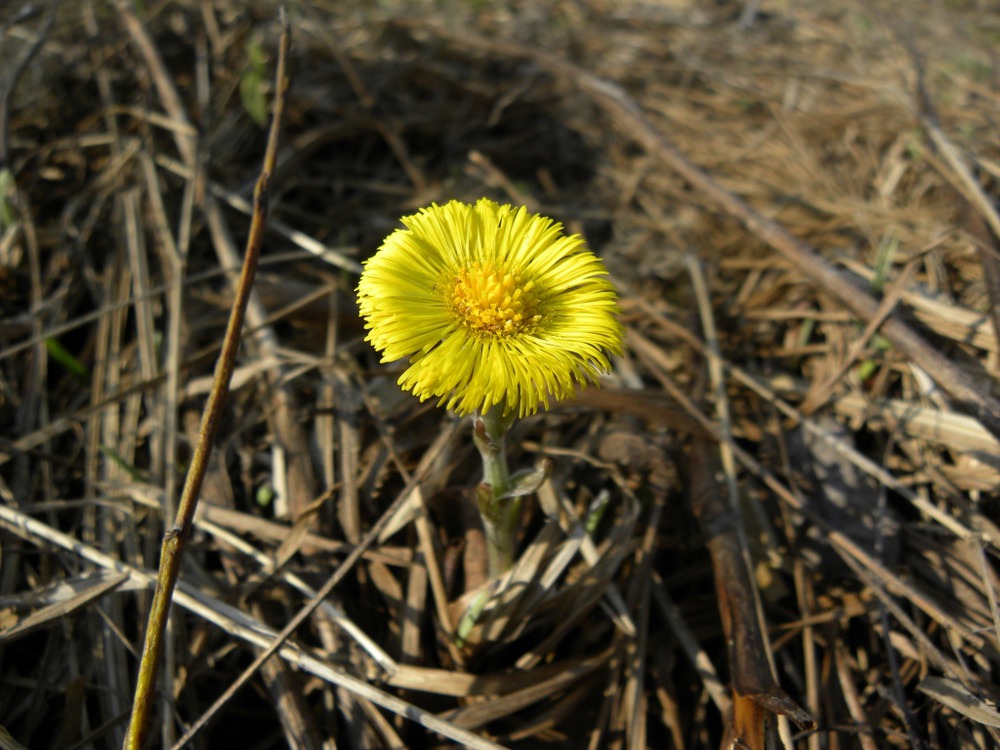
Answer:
x=492 y=304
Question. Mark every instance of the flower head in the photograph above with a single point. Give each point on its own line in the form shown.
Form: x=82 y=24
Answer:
x=493 y=306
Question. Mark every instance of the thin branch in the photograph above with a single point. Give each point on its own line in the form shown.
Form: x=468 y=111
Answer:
x=175 y=540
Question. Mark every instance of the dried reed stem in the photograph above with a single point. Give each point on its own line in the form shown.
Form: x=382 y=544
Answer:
x=175 y=539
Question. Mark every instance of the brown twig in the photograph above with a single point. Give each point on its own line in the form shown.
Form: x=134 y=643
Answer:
x=174 y=541
x=754 y=687
x=167 y=91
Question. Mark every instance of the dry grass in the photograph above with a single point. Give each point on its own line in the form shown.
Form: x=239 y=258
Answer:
x=798 y=455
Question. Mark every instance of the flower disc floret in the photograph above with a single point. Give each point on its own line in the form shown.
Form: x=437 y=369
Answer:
x=491 y=302
x=491 y=305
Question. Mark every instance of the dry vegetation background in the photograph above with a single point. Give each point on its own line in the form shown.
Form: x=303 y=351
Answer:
x=820 y=471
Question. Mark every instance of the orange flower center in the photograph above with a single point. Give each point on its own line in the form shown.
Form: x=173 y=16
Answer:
x=492 y=302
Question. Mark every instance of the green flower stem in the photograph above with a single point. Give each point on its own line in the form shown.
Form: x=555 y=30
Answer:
x=498 y=505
